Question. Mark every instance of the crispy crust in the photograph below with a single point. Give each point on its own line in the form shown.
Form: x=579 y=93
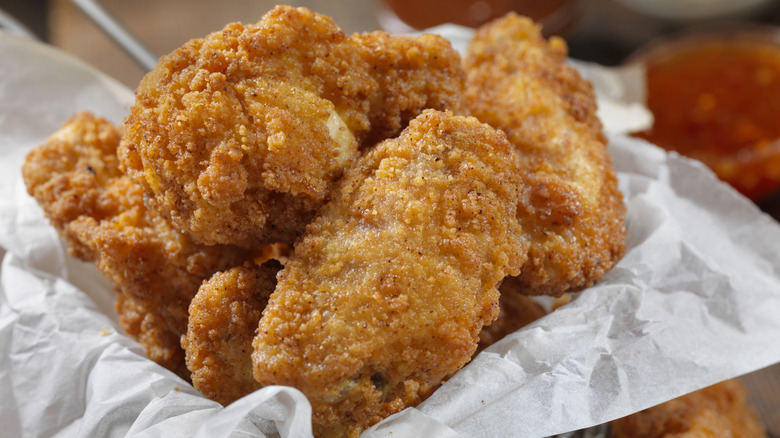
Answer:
x=142 y=322
x=222 y=323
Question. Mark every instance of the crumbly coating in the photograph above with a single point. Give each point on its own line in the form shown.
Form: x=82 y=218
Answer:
x=573 y=211
x=239 y=136
x=68 y=176
x=387 y=291
x=144 y=323
x=413 y=74
x=222 y=323
x=76 y=179
x=720 y=410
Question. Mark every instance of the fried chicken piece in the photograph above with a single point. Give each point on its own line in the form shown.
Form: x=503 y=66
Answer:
x=240 y=136
x=223 y=318
x=386 y=292
x=76 y=179
x=574 y=212
x=720 y=410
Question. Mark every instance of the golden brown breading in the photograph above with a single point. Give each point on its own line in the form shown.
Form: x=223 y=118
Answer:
x=239 y=136
x=387 y=291
x=720 y=410
x=413 y=73
x=144 y=323
x=223 y=320
x=76 y=179
x=573 y=212
x=67 y=176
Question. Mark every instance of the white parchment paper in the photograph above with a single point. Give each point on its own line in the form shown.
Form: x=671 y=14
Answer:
x=695 y=300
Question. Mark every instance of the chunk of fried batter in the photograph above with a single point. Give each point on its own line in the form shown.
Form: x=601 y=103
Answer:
x=573 y=214
x=223 y=319
x=75 y=177
x=240 y=136
x=386 y=292
x=143 y=322
x=412 y=73
x=720 y=410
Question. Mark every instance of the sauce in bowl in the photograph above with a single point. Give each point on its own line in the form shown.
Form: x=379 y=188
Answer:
x=716 y=98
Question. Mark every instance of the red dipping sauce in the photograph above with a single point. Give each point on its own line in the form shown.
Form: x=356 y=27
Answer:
x=717 y=99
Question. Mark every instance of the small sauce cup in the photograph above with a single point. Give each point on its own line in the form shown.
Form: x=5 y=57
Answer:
x=715 y=96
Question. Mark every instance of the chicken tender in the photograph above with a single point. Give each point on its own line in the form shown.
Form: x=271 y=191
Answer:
x=76 y=179
x=719 y=410
x=240 y=136
x=223 y=319
x=386 y=292
x=573 y=213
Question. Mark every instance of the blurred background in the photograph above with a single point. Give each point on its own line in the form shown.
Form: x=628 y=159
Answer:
x=605 y=31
